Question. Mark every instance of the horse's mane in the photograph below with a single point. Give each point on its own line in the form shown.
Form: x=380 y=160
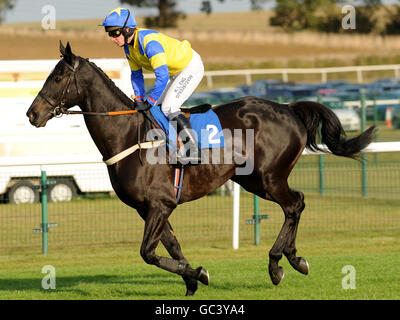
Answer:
x=112 y=86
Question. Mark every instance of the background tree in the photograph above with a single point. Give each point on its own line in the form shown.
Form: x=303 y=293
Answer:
x=291 y=15
x=294 y=15
x=325 y=15
x=4 y=6
x=369 y=17
x=206 y=7
x=167 y=17
x=366 y=15
x=257 y=4
x=392 y=26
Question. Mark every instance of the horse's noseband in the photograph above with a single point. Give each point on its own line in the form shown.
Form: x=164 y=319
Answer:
x=59 y=104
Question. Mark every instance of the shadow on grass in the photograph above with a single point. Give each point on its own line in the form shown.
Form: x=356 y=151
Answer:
x=145 y=286
x=96 y=286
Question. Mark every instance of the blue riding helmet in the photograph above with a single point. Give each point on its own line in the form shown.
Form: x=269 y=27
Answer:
x=120 y=17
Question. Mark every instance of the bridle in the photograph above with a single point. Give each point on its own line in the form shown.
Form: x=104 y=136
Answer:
x=59 y=104
x=59 y=108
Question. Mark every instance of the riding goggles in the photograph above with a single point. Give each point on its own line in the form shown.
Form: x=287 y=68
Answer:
x=115 y=33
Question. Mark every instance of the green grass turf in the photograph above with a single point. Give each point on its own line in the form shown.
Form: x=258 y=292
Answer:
x=117 y=272
x=95 y=248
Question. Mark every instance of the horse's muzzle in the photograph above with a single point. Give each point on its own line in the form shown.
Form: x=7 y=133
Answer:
x=38 y=113
x=31 y=115
x=36 y=120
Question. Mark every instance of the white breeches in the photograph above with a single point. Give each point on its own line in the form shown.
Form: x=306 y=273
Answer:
x=181 y=86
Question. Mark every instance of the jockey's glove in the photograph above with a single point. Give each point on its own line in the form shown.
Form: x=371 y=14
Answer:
x=143 y=105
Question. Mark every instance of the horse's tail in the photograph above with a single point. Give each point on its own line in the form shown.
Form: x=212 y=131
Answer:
x=312 y=114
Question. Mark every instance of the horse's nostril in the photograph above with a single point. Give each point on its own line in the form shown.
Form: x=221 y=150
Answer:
x=32 y=115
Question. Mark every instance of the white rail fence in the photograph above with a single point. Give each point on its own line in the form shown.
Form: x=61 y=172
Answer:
x=17 y=67
x=39 y=164
x=247 y=73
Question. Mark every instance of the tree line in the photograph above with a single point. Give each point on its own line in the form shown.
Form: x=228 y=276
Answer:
x=370 y=16
x=168 y=15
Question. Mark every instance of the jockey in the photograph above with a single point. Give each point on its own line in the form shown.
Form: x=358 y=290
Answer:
x=177 y=67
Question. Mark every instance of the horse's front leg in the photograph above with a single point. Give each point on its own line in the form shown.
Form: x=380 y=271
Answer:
x=170 y=242
x=156 y=220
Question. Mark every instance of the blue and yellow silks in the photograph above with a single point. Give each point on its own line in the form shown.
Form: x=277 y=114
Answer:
x=156 y=52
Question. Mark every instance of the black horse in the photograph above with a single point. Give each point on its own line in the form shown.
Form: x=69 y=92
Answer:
x=281 y=132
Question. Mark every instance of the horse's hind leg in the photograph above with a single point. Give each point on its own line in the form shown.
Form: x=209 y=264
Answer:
x=174 y=249
x=292 y=204
x=298 y=263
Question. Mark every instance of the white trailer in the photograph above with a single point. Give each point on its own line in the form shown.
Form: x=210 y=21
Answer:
x=64 y=149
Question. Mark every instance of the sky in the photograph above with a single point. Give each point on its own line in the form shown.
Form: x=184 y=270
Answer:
x=31 y=10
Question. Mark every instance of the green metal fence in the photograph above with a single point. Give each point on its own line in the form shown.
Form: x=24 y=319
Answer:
x=103 y=219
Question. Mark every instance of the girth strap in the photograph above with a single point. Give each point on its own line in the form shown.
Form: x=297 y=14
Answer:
x=129 y=151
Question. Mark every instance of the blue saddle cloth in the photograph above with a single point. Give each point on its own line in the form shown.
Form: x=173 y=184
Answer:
x=206 y=125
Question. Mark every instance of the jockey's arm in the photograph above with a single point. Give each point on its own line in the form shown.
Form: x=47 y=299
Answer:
x=138 y=84
x=136 y=77
x=155 y=52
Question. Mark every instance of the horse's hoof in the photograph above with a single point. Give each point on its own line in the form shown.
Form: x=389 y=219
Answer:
x=303 y=266
x=189 y=293
x=191 y=287
x=277 y=277
x=203 y=276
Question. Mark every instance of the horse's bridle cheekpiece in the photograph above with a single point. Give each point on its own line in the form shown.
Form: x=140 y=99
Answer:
x=59 y=104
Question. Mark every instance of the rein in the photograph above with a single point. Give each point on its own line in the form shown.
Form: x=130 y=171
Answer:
x=59 y=111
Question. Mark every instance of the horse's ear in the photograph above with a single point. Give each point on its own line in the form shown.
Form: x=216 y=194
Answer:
x=62 y=49
x=66 y=53
x=68 y=50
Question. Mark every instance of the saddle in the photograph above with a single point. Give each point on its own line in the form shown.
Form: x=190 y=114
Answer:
x=155 y=122
x=202 y=108
x=186 y=111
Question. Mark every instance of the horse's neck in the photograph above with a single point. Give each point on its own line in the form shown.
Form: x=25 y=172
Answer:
x=111 y=134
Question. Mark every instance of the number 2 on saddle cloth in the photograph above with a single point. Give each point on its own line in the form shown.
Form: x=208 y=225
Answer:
x=205 y=124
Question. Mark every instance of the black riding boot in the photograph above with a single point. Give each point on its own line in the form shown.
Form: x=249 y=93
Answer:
x=192 y=155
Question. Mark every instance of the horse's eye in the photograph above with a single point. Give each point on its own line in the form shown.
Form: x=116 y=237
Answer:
x=58 y=79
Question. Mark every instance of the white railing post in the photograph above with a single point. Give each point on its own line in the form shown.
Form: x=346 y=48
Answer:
x=209 y=81
x=285 y=76
x=248 y=78
x=324 y=76
x=359 y=76
x=236 y=214
x=396 y=72
x=125 y=79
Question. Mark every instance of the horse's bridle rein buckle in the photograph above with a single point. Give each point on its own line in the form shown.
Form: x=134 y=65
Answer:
x=57 y=112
